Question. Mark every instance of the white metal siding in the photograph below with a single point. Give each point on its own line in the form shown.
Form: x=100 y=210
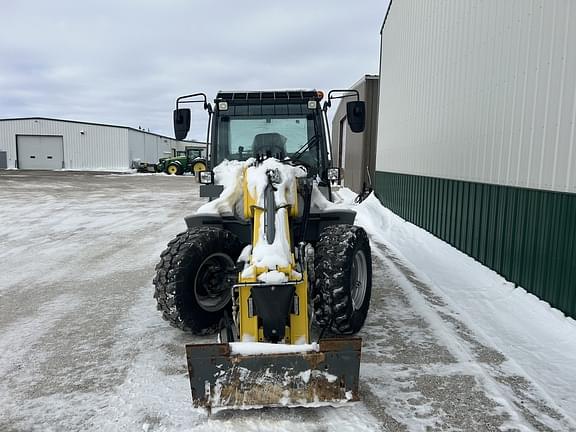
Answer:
x=99 y=147
x=149 y=148
x=90 y=146
x=480 y=91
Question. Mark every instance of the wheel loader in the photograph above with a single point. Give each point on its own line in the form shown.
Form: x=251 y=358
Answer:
x=269 y=265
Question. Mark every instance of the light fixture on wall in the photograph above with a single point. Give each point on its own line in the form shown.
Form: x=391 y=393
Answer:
x=82 y=132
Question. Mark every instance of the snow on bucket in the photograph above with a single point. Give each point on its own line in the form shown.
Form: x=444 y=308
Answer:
x=326 y=376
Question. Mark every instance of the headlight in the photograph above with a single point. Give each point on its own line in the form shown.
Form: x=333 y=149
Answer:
x=333 y=174
x=206 y=177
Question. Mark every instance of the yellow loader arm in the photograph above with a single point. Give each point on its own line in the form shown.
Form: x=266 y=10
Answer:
x=273 y=363
x=252 y=288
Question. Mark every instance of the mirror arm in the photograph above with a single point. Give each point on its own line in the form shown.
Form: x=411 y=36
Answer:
x=208 y=133
x=342 y=94
x=199 y=98
x=183 y=99
x=328 y=134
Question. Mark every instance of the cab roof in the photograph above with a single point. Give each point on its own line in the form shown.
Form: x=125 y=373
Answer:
x=269 y=96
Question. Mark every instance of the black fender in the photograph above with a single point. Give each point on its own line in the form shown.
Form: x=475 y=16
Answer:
x=317 y=221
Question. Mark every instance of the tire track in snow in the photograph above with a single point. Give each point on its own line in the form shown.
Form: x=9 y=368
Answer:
x=21 y=352
x=522 y=400
x=155 y=394
x=19 y=339
x=415 y=380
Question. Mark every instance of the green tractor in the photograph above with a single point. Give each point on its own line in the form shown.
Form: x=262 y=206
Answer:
x=190 y=160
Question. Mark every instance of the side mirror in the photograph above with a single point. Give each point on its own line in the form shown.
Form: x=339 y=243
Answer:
x=356 y=115
x=181 y=123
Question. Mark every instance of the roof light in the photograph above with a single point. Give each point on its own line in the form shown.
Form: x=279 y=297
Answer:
x=223 y=106
x=320 y=94
x=312 y=104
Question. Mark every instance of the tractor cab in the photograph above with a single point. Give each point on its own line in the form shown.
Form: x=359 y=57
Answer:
x=190 y=153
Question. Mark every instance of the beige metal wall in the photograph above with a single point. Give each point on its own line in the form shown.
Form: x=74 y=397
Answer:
x=483 y=91
x=359 y=151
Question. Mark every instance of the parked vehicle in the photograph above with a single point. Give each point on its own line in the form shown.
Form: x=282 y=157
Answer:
x=191 y=160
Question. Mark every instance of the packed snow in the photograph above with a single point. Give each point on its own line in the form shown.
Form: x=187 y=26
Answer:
x=277 y=253
x=230 y=175
x=448 y=344
x=541 y=340
x=273 y=277
x=284 y=174
x=82 y=346
x=255 y=348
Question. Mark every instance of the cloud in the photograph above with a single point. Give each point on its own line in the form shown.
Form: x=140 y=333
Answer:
x=126 y=62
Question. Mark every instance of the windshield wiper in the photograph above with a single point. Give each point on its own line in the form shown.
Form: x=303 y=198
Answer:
x=307 y=145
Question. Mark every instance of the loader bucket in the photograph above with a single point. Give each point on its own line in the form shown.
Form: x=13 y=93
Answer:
x=220 y=379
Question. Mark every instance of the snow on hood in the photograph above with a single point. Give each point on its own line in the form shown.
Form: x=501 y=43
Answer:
x=258 y=180
x=277 y=254
x=229 y=174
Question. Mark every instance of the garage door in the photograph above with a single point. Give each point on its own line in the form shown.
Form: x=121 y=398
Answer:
x=40 y=152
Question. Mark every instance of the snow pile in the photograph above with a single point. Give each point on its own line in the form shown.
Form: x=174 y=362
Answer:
x=271 y=276
x=279 y=253
x=527 y=330
x=284 y=176
x=271 y=256
x=257 y=348
x=373 y=217
x=229 y=174
x=319 y=201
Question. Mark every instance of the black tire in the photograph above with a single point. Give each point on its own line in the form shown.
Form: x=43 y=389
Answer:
x=342 y=258
x=185 y=300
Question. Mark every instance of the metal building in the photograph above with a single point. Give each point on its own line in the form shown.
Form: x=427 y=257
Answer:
x=355 y=153
x=43 y=143
x=476 y=133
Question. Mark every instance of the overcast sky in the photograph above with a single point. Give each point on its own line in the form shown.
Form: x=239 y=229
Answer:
x=125 y=62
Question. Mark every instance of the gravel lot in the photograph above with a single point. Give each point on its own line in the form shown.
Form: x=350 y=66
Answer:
x=82 y=346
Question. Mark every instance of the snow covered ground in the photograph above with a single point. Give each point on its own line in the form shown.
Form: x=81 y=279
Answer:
x=448 y=344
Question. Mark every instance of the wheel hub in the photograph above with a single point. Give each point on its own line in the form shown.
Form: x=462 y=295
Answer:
x=211 y=286
x=199 y=167
x=359 y=279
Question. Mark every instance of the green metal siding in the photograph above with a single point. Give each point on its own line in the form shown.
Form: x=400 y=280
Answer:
x=526 y=235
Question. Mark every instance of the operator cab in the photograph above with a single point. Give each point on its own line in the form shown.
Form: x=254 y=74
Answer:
x=290 y=126
x=286 y=125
